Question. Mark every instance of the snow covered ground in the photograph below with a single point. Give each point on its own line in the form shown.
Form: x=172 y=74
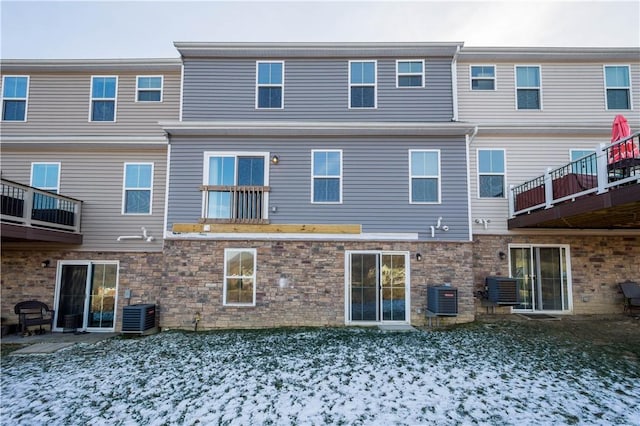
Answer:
x=479 y=374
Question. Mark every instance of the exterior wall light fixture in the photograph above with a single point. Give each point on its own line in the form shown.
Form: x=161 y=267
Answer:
x=45 y=263
x=419 y=257
x=275 y=159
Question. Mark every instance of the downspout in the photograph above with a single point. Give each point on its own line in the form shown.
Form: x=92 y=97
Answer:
x=454 y=84
x=469 y=139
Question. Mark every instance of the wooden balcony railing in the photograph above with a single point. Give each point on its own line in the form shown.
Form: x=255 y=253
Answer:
x=25 y=205
x=235 y=204
x=611 y=165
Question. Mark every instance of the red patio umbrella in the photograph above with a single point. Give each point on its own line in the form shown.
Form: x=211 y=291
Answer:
x=621 y=130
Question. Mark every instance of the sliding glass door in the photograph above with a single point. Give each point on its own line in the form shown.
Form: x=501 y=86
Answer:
x=377 y=289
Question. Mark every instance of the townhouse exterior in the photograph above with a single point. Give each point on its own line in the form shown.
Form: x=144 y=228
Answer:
x=83 y=164
x=540 y=109
x=311 y=184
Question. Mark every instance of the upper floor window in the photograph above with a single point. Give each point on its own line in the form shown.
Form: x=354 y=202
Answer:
x=362 y=84
x=14 y=98
x=138 y=179
x=239 y=277
x=327 y=176
x=616 y=81
x=149 y=89
x=528 y=87
x=103 y=98
x=46 y=176
x=410 y=73
x=270 y=84
x=491 y=170
x=483 y=77
x=583 y=161
x=235 y=186
x=424 y=176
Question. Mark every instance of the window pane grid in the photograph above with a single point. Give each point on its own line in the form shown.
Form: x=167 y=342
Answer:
x=103 y=98
x=269 y=85
x=425 y=176
x=14 y=94
x=410 y=73
x=617 y=87
x=240 y=277
x=491 y=167
x=149 y=89
x=483 y=77
x=362 y=84
x=326 y=175
x=137 y=189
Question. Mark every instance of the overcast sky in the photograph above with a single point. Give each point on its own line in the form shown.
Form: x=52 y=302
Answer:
x=147 y=29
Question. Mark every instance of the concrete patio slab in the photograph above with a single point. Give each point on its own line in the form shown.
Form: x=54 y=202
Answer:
x=42 y=348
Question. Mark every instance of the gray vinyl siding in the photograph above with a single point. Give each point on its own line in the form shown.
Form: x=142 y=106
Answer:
x=314 y=89
x=527 y=157
x=59 y=105
x=96 y=177
x=375 y=183
x=572 y=92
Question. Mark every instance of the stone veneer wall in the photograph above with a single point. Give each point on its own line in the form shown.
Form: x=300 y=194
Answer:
x=187 y=278
x=598 y=265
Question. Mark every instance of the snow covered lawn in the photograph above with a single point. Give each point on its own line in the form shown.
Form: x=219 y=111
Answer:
x=481 y=373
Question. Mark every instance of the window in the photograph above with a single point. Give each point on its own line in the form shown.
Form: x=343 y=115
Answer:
x=270 y=85
x=138 y=183
x=362 y=84
x=410 y=73
x=239 y=277
x=14 y=98
x=235 y=186
x=46 y=176
x=483 y=77
x=585 y=161
x=103 y=98
x=149 y=89
x=425 y=176
x=491 y=173
x=528 y=87
x=327 y=176
x=617 y=86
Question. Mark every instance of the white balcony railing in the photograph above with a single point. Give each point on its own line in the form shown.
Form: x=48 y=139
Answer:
x=25 y=205
x=611 y=165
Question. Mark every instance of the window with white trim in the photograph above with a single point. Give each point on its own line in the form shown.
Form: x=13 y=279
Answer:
x=15 y=89
x=424 y=176
x=483 y=77
x=269 y=85
x=616 y=80
x=138 y=185
x=326 y=169
x=362 y=84
x=235 y=188
x=239 y=277
x=410 y=73
x=491 y=172
x=149 y=88
x=528 y=87
x=45 y=176
x=583 y=161
x=103 y=98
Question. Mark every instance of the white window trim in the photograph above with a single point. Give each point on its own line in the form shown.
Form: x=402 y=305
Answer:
x=25 y=99
x=281 y=86
x=438 y=177
x=313 y=176
x=628 y=88
x=138 y=89
x=46 y=163
x=124 y=188
x=375 y=84
x=254 y=276
x=405 y=74
x=494 y=78
x=234 y=154
x=515 y=83
x=115 y=99
x=503 y=174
